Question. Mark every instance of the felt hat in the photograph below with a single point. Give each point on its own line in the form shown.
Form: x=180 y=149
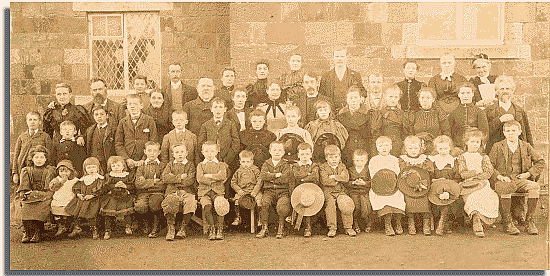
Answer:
x=468 y=187
x=66 y=163
x=384 y=182
x=307 y=199
x=221 y=205
x=440 y=186
x=260 y=151
x=345 y=204
x=414 y=182
x=36 y=196
x=322 y=141
x=504 y=188
x=247 y=201
x=291 y=142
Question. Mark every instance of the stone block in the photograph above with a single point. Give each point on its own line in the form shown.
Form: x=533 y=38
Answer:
x=223 y=40
x=208 y=25
x=540 y=51
x=31 y=56
x=166 y=24
x=344 y=32
x=207 y=41
x=23 y=25
x=308 y=52
x=15 y=57
x=222 y=9
x=23 y=87
x=256 y=12
x=367 y=33
x=24 y=40
x=369 y=51
x=68 y=41
x=290 y=12
x=541 y=68
x=167 y=40
x=190 y=25
x=348 y=11
x=320 y=33
x=64 y=9
x=47 y=71
x=536 y=103
x=43 y=87
x=53 y=55
x=398 y=51
x=257 y=32
x=497 y=67
x=80 y=87
x=520 y=12
x=377 y=12
x=285 y=32
x=314 y=11
x=524 y=86
x=223 y=56
x=464 y=67
x=545 y=86
x=543 y=9
x=76 y=56
x=79 y=71
x=66 y=71
x=392 y=34
x=410 y=33
x=518 y=68
x=513 y=33
x=28 y=70
x=428 y=67
x=240 y=33
x=542 y=33
x=391 y=69
x=32 y=9
x=403 y=12
x=222 y=24
x=73 y=25
x=17 y=71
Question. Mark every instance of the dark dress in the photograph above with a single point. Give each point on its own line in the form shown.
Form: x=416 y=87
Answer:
x=292 y=84
x=257 y=93
x=75 y=113
x=430 y=124
x=451 y=173
x=163 y=119
x=36 y=179
x=87 y=209
x=257 y=141
x=358 y=132
x=464 y=118
x=419 y=204
x=447 y=96
x=117 y=201
x=391 y=123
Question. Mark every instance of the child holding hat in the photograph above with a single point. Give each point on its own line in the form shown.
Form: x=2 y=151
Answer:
x=62 y=186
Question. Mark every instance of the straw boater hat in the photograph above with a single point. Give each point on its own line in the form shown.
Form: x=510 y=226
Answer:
x=345 y=204
x=247 y=201
x=440 y=186
x=307 y=199
x=414 y=182
x=468 y=187
x=221 y=205
x=384 y=182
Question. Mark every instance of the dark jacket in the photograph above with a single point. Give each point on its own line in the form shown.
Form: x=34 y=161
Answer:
x=189 y=93
x=494 y=112
x=530 y=161
x=130 y=141
x=328 y=83
x=409 y=97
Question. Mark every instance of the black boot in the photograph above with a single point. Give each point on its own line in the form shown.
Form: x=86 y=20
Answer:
x=509 y=225
x=27 y=233
x=531 y=207
x=154 y=232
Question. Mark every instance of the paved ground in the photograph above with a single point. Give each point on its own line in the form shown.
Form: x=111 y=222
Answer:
x=460 y=250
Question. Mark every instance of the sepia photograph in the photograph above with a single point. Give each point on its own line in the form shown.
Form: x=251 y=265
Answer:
x=304 y=136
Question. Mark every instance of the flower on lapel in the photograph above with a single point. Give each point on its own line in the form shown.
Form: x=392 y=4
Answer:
x=64 y=112
x=146 y=130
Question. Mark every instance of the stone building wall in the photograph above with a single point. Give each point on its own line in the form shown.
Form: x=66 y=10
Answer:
x=379 y=36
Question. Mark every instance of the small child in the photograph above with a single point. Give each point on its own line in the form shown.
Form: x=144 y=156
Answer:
x=150 y=188
x=211 y=176
x=359 y=186
x=133 y=132
x=354 y=117
x=517 y=167
x=467 y=116
x=32 y=137
x=386 y=206
x=160 y=112
x=292 y=117
x=390 y=120
x=100 y=138
x=179 y=176
x=62 y=186
x=257 y=138
x=85 y=206
x=325 y=123
x=276 y=178
x=244 y=181
x=305 y=171
x=274 y=108
x=239 y=112
x=118 y=202
x=414 y=157
x=179 y=136
x=481 y=203
x=68 y=148
x=444 y=168
x=34 y=180
x=334 y=175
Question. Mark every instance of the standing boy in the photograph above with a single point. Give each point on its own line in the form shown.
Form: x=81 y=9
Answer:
x=179 y=136
x=359 y=186
x=100 y=138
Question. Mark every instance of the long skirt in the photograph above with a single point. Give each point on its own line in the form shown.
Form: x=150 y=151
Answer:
x=485 y=202
x=36 y=210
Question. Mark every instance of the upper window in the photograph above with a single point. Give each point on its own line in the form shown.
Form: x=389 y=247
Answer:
x=460 y=24
x=124 y=45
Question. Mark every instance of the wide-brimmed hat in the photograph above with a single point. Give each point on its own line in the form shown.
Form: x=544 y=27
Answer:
x=384 y=182
x=260 y=151
x=504 y=188
x=345 y=204
x=414 y=182
x=440 y=186
x=247 y=201
x=322 y=142
x=307 y=199
x=66 y=163
x=468 y=187
x=221 y=205
x=291 y=142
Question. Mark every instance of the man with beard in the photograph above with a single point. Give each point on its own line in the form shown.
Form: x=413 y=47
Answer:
x=335 y=83
x=98 y=89
x=176 y=92
x=306 y=101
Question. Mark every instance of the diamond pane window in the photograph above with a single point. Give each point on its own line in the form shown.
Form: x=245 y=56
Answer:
x=123 y=46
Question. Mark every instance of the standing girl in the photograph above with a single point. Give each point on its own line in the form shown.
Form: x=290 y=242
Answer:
x=325 y=123
x=62 y=186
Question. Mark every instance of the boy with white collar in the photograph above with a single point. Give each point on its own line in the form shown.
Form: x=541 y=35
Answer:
x=211 y=176
x=359 y=186
x=517 y=166
x=67 y=148
x=180 y=135
x=150 y=188
x=180 y=179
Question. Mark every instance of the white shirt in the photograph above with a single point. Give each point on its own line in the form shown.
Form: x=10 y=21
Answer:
x=31 y=133
x=102 y=126
x=215 y=160
x=359 y=170
x=512 y=146
x=340 y=72
x=275 y=163
x=383 y=162
x=179 y=131
x=505 y=106
x=149 y=160
x=176 y=85
x=303 y=164
x=240 y=115
x=443 y=76
x=182 y=162
x=313 y=96
x=335 y=167
x=376 y=100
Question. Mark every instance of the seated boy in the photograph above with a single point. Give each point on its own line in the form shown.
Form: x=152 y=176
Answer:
x=359 y=186
x=305 y=171
x=517 y=167
x=275 y=177
x=68 y=148
x=100 y=138
x=211 y=176
x=244 y=181
x=179 y=136
x=150 y=188
x=333 y=176
x=179 y=177
x=133 y=132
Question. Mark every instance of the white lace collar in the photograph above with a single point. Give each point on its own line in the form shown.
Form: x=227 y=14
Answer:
x=122 y=174
x=414 y=161
x=90 y=178
x=442 y=161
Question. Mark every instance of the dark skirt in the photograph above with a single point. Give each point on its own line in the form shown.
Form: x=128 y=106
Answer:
x=117 y=206
x=83 y=208
x=417 y=205
x=36 y=210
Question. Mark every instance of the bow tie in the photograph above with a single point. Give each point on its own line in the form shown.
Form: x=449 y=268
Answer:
x=446 y=77
x=273 y=105
x=63 y=140
x=218 y=122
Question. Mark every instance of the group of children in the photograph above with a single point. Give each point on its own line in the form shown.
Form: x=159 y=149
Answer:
x=371 y=151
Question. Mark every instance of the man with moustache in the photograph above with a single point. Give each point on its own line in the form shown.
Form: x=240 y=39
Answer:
x=98 y=89
x=306 y=101
x=335 y=83
x=198 y=110
x=374 y=99
x=177 y=93
x=410 y=87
